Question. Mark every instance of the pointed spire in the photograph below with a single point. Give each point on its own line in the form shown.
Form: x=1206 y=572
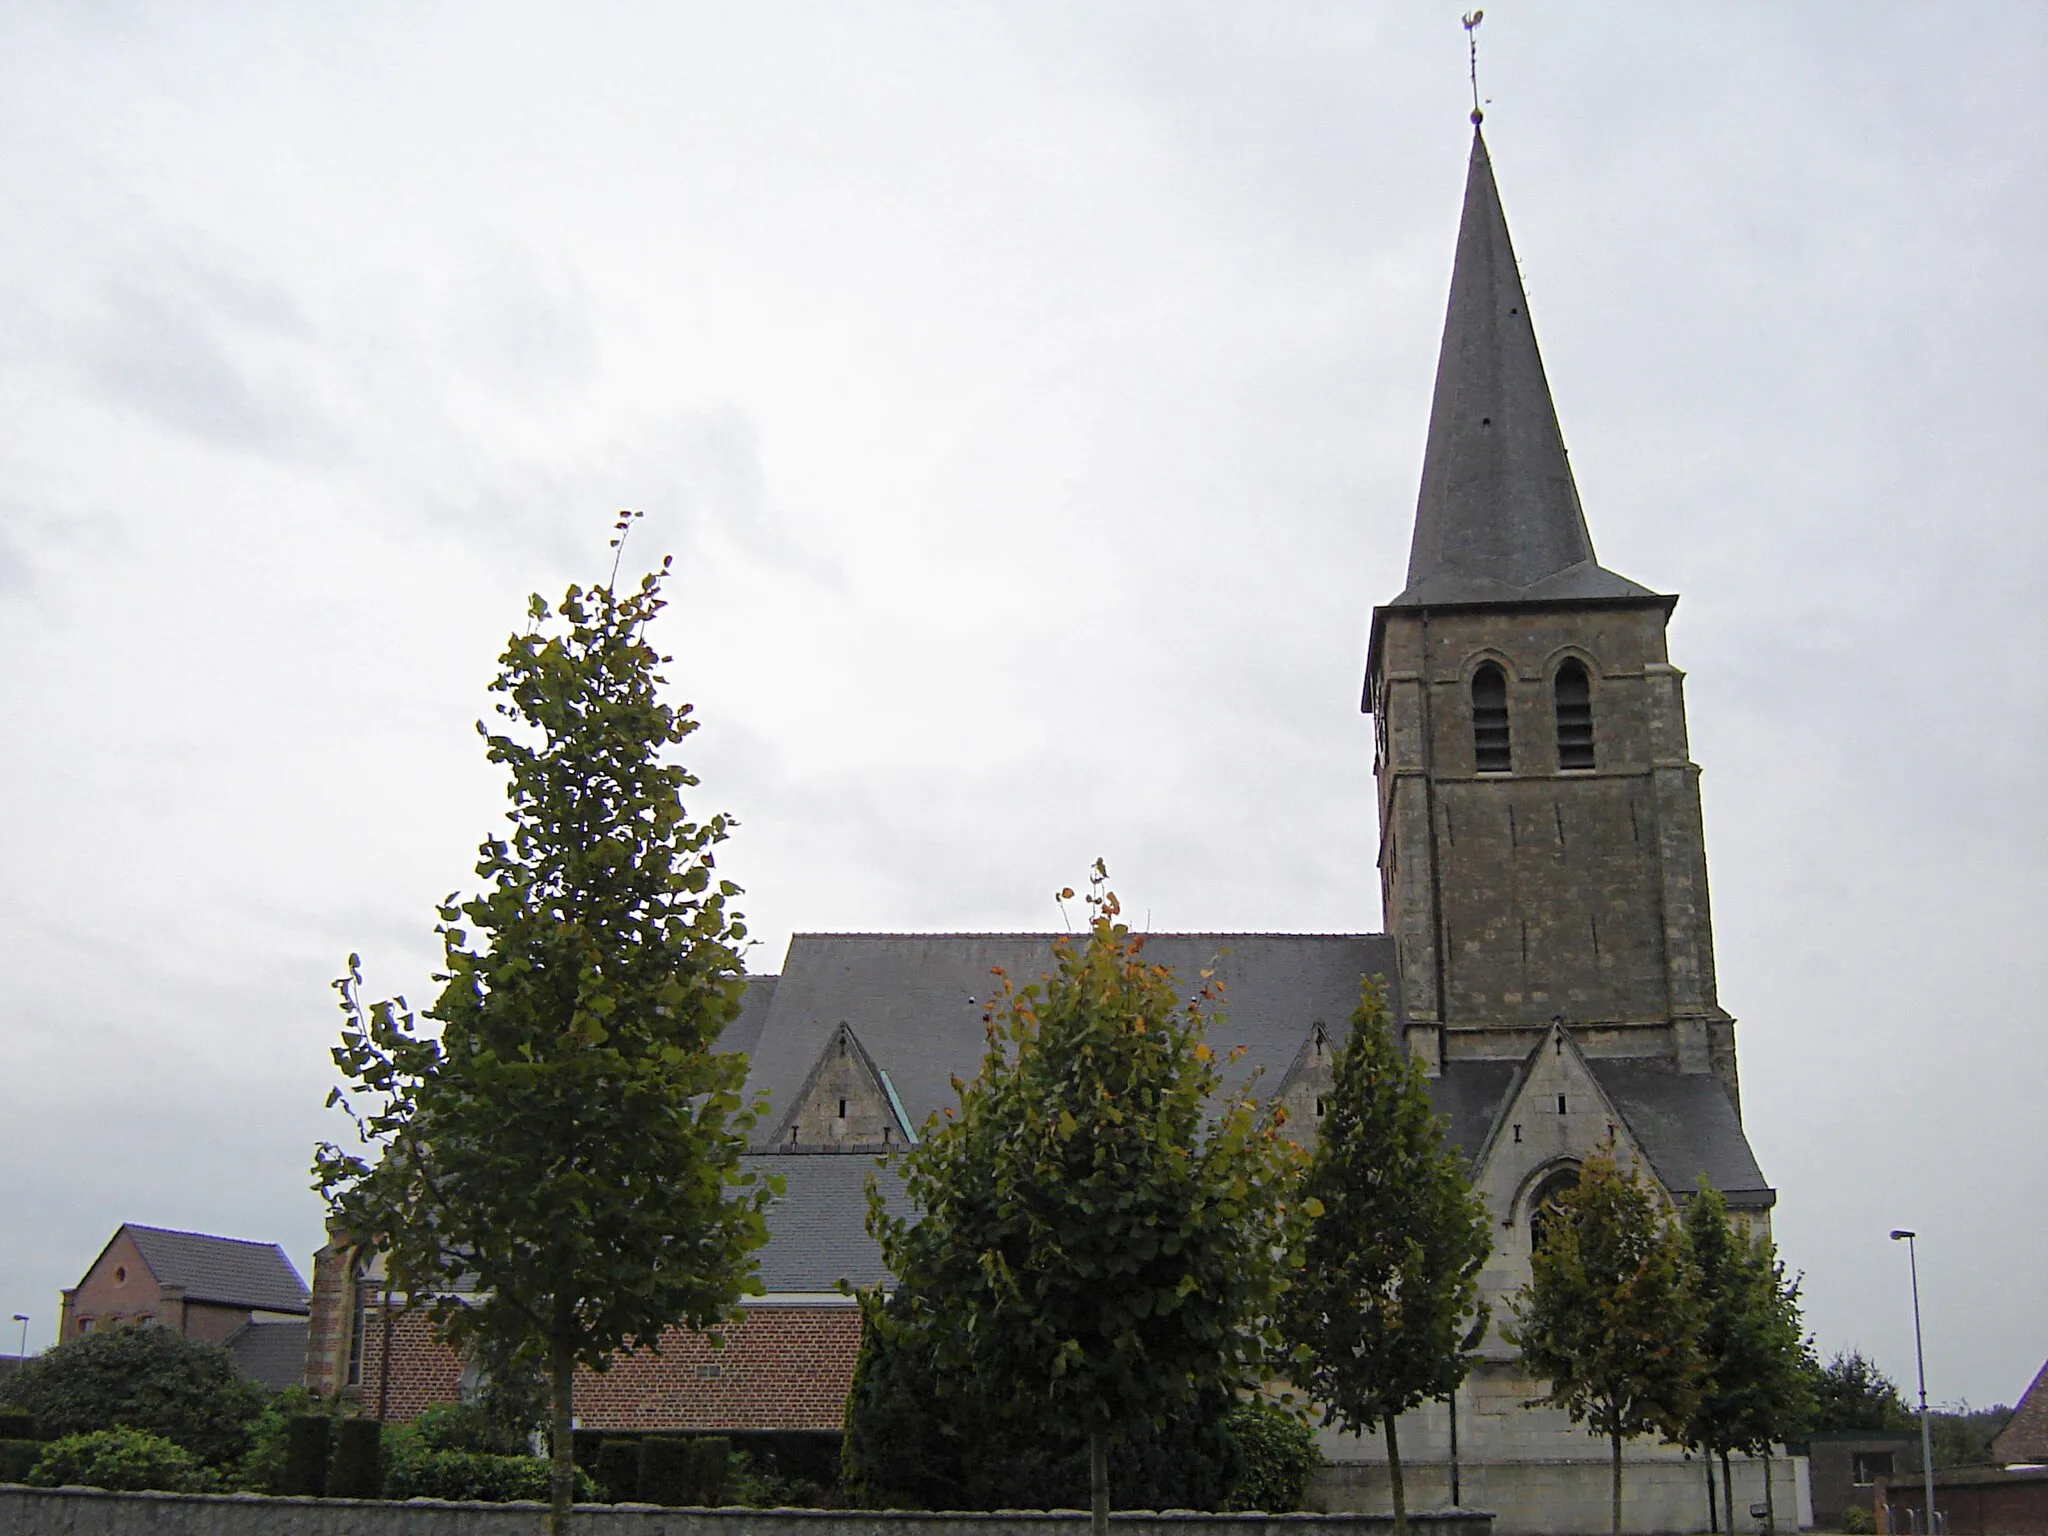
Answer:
x=1498 y=519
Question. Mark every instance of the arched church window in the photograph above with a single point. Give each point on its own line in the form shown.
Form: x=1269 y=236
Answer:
x=1543 y=1211
x=1490 y=751
x=1574 y=694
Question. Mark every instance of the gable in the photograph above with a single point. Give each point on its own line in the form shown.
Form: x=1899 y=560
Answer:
x=845 y=1103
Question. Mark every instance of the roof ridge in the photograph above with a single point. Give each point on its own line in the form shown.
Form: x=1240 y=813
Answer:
x=211 y=1237
x=1045 y=933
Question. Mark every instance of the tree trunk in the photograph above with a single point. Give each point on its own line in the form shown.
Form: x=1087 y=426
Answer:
x=562 y=1438
x=1098 y=1482
x=1616 y=1438
x=1394 y=1478
x=1770 y=1503
x=1713 y=1515
x=1728 y=1491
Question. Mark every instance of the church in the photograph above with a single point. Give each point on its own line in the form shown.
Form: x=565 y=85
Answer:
x=1549 y=956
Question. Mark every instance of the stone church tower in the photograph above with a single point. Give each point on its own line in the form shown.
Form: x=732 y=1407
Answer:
x=1541 y=853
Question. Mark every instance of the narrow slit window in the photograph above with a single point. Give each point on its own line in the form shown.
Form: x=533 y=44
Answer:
x=1490 y=751
x=1574 y=692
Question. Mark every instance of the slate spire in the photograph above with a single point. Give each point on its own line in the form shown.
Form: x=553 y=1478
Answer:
x=1498 y=519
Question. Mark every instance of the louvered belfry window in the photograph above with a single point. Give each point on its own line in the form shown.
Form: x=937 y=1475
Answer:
x=1490 y=751
x=1574 y=692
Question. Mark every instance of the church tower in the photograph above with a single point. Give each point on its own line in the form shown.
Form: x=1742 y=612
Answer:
x=1541 y=851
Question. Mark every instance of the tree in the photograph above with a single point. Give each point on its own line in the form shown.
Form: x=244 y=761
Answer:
x=571 y=1140
x=1609 y=1319
x=1105 y=1230
x=147 y=1379
x=906 y=1447
x=1850 y=1392
x=1754 y=1384
x=1386 y=1313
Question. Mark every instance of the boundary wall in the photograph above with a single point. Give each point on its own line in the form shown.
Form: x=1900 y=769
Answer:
x=94 y=1512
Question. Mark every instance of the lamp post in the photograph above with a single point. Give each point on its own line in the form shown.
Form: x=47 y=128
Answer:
x=1920 y=1362
x=22 y=1318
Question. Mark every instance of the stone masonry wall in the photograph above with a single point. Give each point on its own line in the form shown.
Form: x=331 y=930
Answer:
x=82 y=1512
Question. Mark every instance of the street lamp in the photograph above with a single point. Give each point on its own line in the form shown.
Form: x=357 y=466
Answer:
x=22 y=1318
x=1900 y=1234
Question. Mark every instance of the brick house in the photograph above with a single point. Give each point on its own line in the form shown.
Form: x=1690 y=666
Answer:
x=245 y=1296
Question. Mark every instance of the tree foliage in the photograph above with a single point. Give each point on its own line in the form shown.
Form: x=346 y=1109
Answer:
x=1609 y=1319
x=1851 y=1392
x=1386 y=1313
x=1755 y=1378
x=569 y=1143
x=1105 y=1230
x=907 y=1447
x=147 y=1379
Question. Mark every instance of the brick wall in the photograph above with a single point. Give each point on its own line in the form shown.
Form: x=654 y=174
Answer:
x=782 y=1367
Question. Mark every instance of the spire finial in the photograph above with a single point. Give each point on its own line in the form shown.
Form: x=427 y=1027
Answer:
x=1472 y=20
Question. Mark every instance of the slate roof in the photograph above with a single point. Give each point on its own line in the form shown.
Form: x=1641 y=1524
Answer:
x=271 y=1354
x=1687 y=1126
x=1471 y=1093
x=227 y=1270
x=741 y=1034
x=817 y=1234
x=916 y=1000
x=1498 y=518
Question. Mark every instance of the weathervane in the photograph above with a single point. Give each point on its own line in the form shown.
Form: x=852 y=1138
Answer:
x=1472 y=20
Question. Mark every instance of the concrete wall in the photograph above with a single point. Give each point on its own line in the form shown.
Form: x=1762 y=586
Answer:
x=89 y=1512
x=1535 y=1498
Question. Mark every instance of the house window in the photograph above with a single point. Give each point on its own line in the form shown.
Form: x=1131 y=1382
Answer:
x=842 y=1109
x=1866 y=1467
x=1490 y=752
x=1573 y=691
x=85 y=1325
x=1319 y=1109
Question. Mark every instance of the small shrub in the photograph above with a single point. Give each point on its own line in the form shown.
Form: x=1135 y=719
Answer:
x=470 y=1427
x=1279 y=1453
x=1858 y=1521
x=306 y=1438
x=414 y=1470
x=16 y=1458
x=121 y=1461
x=357 y=1471
x=666 y=1471
x=710 y=1464
x=618 y=1468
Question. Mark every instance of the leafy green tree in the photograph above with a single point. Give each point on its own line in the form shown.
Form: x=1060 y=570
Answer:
x=1755 y=1387
x=1850 y=1392
x=571 y=1138
x=1386 y=1313
x=147 y=1379
x=1962 y=1435
x=906 y=1447
x=1105 y=1230
x=1609 y=1319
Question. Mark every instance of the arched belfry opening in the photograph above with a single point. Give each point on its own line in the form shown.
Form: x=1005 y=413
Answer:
x=1491 y=749
x=1572 y=692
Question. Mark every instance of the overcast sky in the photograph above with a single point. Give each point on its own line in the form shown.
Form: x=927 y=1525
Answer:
x=1033 y=397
